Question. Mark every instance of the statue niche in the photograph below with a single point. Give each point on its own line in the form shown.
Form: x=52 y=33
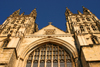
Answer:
x=6 y=41
x=94 y=39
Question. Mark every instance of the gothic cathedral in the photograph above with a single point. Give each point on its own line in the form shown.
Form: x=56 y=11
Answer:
x=23 y=45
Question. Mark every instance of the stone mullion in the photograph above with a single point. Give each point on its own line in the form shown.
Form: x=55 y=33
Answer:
x=39 y=58
x=58 y=58
x=73 y=64
x=65 y=59
x=45 y=56
x=33 y=59
x=52 y=57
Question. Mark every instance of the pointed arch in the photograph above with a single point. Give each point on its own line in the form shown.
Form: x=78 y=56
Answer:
x=72 y=50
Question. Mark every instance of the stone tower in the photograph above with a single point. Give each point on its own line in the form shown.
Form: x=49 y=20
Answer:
x=14 y=28
x=23 y=45
x=86 y=30
x=23 y=24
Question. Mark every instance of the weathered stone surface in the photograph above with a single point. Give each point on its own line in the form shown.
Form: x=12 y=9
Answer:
x=81 y=39
x=94 y=64
x=92 y=53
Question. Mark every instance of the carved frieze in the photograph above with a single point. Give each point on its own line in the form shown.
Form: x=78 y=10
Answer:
x=49 y=31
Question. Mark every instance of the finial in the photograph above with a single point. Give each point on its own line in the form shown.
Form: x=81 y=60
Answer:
x=19 y=8
x=22 y=14
x=34 y=8
x=83 y=7
x=50 y=23
x=66 y=7
x=68 y=12
x=79 y=12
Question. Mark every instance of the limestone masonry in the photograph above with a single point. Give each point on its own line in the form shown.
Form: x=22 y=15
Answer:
x=23 y=45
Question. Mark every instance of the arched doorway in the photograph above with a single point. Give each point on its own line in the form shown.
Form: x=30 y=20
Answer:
x=50 y=55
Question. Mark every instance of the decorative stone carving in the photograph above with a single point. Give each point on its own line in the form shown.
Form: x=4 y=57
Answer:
x=49 y=31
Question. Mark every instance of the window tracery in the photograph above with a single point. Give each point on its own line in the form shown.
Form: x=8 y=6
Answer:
x=88 y=19
x=93 y=27
x=82 y=28
x=88 y=27
x=49 y=55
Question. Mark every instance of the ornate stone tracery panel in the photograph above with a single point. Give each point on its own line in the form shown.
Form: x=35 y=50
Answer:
x=49 y=31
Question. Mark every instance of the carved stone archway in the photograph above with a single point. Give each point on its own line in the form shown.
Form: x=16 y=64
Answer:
x=31 y=47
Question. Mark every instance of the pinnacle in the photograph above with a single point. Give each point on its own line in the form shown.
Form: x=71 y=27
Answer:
x=83 y=7
x=35 y=9
x=79 y=12
x=66 y=8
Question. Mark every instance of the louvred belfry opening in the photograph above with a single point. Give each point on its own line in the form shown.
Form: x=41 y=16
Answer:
x=49 y=55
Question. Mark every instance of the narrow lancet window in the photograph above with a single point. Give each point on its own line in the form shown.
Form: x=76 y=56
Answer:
x=48 y=64
x=62 y=63
x=55 y=63
x=28 y=63
x=35 y=64
x=42 y=63
x=94 y=40
x=69 y=64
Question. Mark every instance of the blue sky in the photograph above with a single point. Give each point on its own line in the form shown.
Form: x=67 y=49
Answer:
x=48 y=10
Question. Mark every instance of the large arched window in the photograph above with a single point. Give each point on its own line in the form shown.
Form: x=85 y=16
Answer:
x=49 y=55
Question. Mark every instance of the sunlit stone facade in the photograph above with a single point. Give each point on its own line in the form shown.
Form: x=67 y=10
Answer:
x=23 y=45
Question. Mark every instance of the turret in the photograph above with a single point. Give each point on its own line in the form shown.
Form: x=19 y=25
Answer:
x=68 y=12
x=16 y=13
x=33 y=13
x=86 y=11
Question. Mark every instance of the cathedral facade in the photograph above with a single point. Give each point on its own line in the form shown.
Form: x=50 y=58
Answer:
x=23 y=45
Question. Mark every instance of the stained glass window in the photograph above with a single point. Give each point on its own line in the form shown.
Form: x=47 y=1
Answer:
x=49 y=55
